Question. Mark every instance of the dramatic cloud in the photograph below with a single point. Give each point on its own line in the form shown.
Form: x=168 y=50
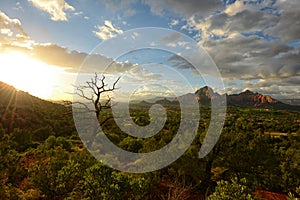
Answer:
x=73 y=60
x=237 y=17
x=185 y=8
x=276 y=89
x=108 y=30
x=180 y=62
x=59 y=56
x=13 y=38
x=252 y=57
x=255 y=44
x=56 y=8
x=251 y=44
x=288 y=27
x=11 y=31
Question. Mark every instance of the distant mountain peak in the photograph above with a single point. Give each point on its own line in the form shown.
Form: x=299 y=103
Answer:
x=205 y=89
x=251 y=99
x=247 y=98
x=248 y=92
x=163 y=101
x=205 y=94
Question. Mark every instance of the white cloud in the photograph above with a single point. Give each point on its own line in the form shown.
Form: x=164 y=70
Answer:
x=235 y=40
x=6 y=31
x=18 y=7
x=235 y=8
x=11 y=31
x=278 y=19
x=174 y=22
x=108 y=30
x=13 y=38
x=56 y=8
x=235 y=18
x=78 y=13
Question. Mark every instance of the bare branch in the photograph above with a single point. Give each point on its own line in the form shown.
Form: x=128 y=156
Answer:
x=97 y=87
x=80 y=93
x=85 y=106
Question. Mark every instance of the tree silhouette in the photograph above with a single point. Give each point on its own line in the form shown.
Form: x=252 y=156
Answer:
x=98 y=89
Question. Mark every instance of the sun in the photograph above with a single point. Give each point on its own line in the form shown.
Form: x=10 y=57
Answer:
x=28 y=74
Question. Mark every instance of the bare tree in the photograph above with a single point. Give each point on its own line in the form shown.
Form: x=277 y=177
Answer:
x=97 y=88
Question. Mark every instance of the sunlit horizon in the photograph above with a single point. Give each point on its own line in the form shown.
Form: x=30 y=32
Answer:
x=29 y=75
x=255 y=45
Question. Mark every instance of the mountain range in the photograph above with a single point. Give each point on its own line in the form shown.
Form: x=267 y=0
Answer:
x=14 y=98
x=246 y=98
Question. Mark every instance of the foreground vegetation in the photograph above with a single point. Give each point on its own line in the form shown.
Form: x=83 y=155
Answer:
x=42 y=157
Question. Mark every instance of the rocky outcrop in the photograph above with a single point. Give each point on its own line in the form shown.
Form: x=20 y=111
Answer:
x=249 y=98
x=246 y=98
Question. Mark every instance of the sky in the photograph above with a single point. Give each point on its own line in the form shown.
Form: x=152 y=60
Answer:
x=254 y=45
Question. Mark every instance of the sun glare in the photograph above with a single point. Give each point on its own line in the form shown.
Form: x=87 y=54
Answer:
x=27 y=74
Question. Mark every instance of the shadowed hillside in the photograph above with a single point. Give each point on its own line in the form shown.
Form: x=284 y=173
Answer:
x=19 y=109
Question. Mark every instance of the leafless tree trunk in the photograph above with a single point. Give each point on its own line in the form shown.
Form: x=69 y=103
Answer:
x=98 y=89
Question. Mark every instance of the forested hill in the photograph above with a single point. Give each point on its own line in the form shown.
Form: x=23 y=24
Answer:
x=12 y=97
x=21 y=110
x=42 y=157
